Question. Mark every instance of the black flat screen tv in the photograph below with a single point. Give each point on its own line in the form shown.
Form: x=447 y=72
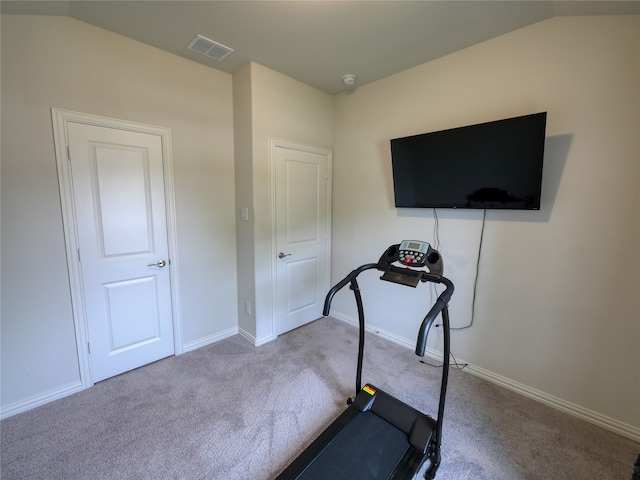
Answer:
x=493 y=165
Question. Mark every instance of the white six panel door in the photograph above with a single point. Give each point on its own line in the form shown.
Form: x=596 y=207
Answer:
x=118 y=187
x=301 y=236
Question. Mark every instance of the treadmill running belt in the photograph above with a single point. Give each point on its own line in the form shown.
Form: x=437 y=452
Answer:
x=367 y=448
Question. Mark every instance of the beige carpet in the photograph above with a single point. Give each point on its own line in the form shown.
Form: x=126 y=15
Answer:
x=232 y=411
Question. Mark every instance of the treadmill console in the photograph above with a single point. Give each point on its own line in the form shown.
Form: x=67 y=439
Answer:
x=413 y=253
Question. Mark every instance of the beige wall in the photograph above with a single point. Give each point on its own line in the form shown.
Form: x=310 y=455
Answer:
x=280 y=109
x=557 y=307
x=59 y=62
x=557 y=301
x=243 y=134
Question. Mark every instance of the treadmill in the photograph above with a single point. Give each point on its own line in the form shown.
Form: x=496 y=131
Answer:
x=378 y=436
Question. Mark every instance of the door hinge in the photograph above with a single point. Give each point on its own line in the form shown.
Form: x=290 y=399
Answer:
x=89 y=347
x=79 y=256
x=68 y=153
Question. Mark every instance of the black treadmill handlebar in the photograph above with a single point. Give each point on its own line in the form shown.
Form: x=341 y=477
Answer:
x=441 y=303
x=421 y=275
x=341 y=284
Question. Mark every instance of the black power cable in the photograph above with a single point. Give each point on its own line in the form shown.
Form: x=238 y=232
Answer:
x=459 y=366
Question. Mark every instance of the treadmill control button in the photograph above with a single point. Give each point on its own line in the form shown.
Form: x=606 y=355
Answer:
x=411 y=257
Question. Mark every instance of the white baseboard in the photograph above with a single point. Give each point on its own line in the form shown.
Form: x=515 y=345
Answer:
x=247 y=336
x=608 y=423
x=256 y=341
x=40 y=399
x=595 y=418
x=70 y=389
x=203 y=342
x=261 y=341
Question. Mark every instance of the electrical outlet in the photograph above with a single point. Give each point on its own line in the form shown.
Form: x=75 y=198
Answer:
x=247 y=308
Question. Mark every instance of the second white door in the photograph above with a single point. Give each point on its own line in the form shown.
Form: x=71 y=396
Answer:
x=302 y=192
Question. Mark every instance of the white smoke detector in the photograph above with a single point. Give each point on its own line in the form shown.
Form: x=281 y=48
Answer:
x=349 y=79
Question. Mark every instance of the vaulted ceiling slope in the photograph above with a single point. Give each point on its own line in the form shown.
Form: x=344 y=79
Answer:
x=317 y=42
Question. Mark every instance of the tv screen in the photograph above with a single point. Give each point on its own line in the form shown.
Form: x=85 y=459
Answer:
x=489 y=165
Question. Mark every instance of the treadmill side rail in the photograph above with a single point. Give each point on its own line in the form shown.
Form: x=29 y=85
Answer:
x=418 y=426
x=365 y=398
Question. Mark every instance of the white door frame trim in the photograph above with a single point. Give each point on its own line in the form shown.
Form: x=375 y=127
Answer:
x=274 y=144
x=61 y=119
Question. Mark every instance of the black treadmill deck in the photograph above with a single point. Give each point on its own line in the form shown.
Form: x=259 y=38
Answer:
x=375 y=438
x=368 y=447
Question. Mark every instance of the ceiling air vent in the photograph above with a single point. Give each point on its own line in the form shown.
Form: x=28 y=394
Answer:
x=209 y=48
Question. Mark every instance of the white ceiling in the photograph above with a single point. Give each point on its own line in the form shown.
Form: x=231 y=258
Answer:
x=317 y=42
